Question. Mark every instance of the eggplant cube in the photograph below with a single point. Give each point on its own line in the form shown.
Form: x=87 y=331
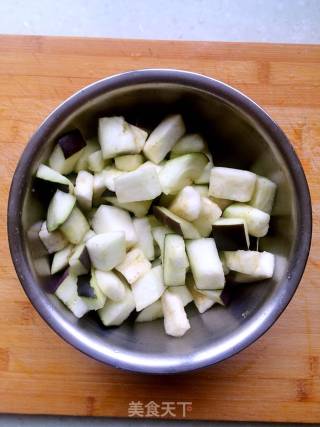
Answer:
x=111 y=218
x=134 y=265
x=257 y=221
x=253 y=263
x=67 y=152
x=116 y=312
x=140 y=184
x=233 y=184
x=116 y=137
x=107 y=250
x=187 y=204
x=205 y=264
x=230 y=234
x=163 y=138
x=148 y=288
x=111 y=285
x=176 y=323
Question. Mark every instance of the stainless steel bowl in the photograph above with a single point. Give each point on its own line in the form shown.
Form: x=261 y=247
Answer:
x=239 y=134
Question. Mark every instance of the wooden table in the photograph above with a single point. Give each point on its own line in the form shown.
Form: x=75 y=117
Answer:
x=277 y=378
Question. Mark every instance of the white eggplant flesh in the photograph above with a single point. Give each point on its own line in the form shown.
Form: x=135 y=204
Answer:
x=190 y=143
x=111 y=285
x=140 y=184
x=148 y=288
x=134 y=266
x=116 y=137
x=61 y=259
x=177 y=224
x=63 y=165
x=116 y=312
x=75 y=227
x=110 y=218
x=84 y=189
x=232 y=184
x=128 y=162
x=139 y=209
x=183 y=293
x=91 y=147
x=67 y=293
x=49 y=174
x=263 y=195
x=144 y=237
x=257 y=221
x=59 y=209
x=54 y=241
x=152 y=312
x=176 y=323
x=205 y=263
x=253 y=263
x=163 y=138
x=96 y=162
x=187 y=204
x=107 y=250
x=175 y=261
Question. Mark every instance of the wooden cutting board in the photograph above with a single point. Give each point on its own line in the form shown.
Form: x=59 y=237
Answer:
x=277 y=378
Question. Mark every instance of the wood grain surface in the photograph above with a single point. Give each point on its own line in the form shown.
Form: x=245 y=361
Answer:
x=277 y=378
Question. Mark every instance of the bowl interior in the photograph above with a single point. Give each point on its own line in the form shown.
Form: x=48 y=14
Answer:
x=236 y=139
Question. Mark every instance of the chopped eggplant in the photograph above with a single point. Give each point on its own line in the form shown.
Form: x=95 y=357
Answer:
x=139 y=209
x=209 y=213
x=222 y=203
x=183 y=293
x=107 y=250
x=175 y=261
x=204 y=178
x=148 y=288
x=163 y=138
x=181 y=171
x=205 y=263
x=134 y=266
x=144 y=235
x=54 y=241
x=201 y=301
x=152 y=312
x=116 y=312
x=141 y=184
x=59 y=209
x=96 y=162
x=37 y=247
x=110 y=174
x=202 y=189
x=230 y=234
x=111 y=285
x=111 y=218
x=128 y=162
x=140 y=137
x=116 y=137
x=257 y=221
x=53 y=180
x=90 y=292
x=79 y=261
x=84 y=189
x=91 y=147
x=84 y=288
x=187 y=204
x=67 y=152
x=159 y=233
x=176 y=323
x=99 y=185
x=75 y=227
x=190 y=143
x=263 y=195
x=67 y=292
x=61 y=259
x=233 y=184
x=253 y=263
x=177 y=224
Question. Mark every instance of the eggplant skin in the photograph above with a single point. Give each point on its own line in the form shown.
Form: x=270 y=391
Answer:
x=84 y=288
x=165 y=219
x=44 y=190
x=85 y=259
x=71 y=142
x=231 y=237
x=55 y=281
